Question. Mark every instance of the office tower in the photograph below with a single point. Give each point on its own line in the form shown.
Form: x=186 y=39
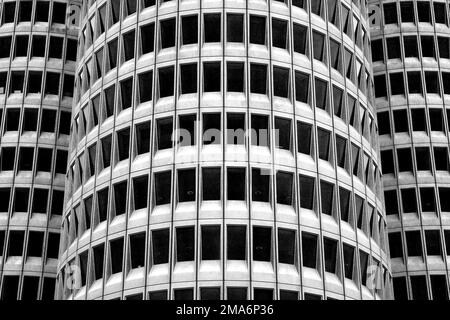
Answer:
x=410 y=44
x=37 y=64
x=292 y=210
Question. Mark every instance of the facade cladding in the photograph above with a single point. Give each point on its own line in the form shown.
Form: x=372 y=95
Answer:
x=411 y=55
x=37 y=68
x=290 y=214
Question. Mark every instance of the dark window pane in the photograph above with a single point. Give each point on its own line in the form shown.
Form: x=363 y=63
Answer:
x=263 y=294
x=307 y=192
x=400 y=289
x=258 y=78
x=286 y=246
x=327 y=195
x=184 y=294
x=160 y=246
x=236 y=242
x=433 y=242
x=120 y=198
x=235 y=28
x=167 y=33
x=212 y=128
x=257 y=30
x=330 y=249
x=395 y=245
x=414 y=243
x=260 y=185
x=137 y=248
x=285 y=182
x=211 y=178
x=309 y=250
x=211 y=243
x=419 y=287
x=349 y=256
x=235 y=77
x=185 y=244
x=163 y=188
x=116 y=255
x=188 y=78
x=212 y=27
x=210 y=294
x=236 y=184
x=439 y=285
x=140 y=188
x=301 y=87
x=409 y=200
x=35 y=244
x=236 y=294
x=189 y=27
x=262 y=244
x=186 y=185
x=165 y=130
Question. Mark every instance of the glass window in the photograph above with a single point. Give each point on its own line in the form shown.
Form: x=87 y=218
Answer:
x=211 y=178
x=260 y=185
x=236 y=184
x=262 y=244
x=286 y=246
x=258 y=30
x=185 y=244
x=160 y=246
x=211 y=243
x=186 y=185
x=236 y=242
x=309 y=250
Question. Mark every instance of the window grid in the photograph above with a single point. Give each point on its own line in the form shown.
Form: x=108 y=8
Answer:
x=37 y=68
x=292 y=87
x=414 y=123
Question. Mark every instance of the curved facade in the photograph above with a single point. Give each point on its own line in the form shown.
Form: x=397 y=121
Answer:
x=412 y=83
x=37 y=64
x=292 y=210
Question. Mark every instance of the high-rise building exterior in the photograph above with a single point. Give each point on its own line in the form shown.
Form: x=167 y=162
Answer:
x=411 y=54
x=37 y=64
x=168 y=198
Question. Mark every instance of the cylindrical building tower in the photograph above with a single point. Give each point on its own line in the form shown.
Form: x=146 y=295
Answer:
x=290 y=210
x=411 y=54
x=38 y=43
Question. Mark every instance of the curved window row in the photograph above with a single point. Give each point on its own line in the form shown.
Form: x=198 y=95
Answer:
x=17 y=200
x=431 y=121
x=343 y=60
x=26 y=46
x=415 y=82
x=35 y=120
x=33 y=82
x=426 y=159
x=427 y=197
x=419 y=285
x=342 y=260
x=329 y=98
x=128 y=143
x=434 y=243
x=122 y=49
x=415 y=12
x=29 y=288
x=34 y=11
x=431 y=46
x=24 y=159
x=338 y=203
x=35 y=247
x=338 y=13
